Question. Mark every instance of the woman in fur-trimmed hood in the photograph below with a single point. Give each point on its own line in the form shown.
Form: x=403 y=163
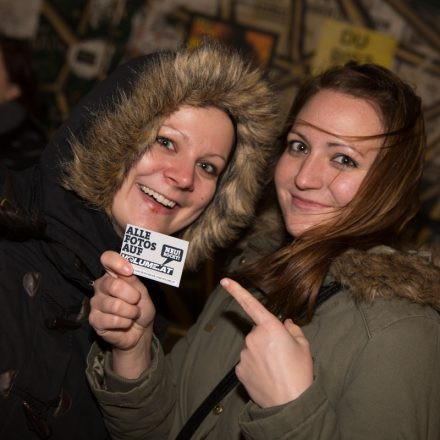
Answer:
x=177 y=142
x=335 y=334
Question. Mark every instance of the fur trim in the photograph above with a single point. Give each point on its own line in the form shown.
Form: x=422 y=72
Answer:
x=383 y=272
x=207 y=75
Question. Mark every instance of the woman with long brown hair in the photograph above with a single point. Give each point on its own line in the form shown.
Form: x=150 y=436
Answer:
x=336 y=332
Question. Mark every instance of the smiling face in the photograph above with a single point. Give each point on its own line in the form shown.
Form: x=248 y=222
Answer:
x=321 y=169
x=173 y=182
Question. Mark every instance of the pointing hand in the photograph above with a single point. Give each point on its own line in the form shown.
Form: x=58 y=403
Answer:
x=276 y=363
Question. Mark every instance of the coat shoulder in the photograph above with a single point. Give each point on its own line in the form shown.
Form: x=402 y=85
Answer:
x=383 y=273
x=398 y=313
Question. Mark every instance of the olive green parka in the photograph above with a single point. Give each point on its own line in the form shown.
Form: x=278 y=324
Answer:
x=376 y=351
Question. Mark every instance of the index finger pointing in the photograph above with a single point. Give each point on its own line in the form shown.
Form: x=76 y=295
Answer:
x=256 y=311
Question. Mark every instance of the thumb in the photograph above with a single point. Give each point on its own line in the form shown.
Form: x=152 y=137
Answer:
x=116 y=265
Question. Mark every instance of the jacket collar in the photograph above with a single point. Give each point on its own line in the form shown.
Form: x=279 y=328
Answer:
x=383 y=272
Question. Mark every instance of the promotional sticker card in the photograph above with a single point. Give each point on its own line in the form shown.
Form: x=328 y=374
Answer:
x=154 y=255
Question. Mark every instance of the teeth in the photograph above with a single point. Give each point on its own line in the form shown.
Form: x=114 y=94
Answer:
x=158 y=197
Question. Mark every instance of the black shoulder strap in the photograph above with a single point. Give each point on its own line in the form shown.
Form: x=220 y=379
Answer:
x=230 y=381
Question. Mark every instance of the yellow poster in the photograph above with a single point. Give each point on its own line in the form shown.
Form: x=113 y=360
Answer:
x=340 y=42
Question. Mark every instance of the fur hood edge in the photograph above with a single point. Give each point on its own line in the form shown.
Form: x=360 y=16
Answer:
x=118 y=137
x=383 y=272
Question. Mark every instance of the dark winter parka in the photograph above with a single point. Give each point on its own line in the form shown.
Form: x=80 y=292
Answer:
x=46 y=275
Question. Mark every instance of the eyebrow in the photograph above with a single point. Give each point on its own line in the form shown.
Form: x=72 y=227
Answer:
x=186 y=138
x=170 y=127
x=217 y=155
x=351 y=147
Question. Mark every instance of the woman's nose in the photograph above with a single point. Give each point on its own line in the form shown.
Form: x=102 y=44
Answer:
x=181 y=174
x=310 y=174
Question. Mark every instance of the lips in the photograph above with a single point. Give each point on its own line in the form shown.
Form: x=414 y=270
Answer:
x=306 y=204
x=159 y=198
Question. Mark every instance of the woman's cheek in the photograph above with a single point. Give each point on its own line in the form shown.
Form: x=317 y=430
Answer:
x=345 y=188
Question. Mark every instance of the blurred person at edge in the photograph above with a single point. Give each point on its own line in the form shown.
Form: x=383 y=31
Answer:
x=175 y=142
x=22 y=136
x=333 y=332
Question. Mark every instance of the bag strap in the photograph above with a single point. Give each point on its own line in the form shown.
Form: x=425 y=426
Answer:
x=230 y=381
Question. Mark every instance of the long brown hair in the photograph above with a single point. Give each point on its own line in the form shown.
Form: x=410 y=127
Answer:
x=386 y=200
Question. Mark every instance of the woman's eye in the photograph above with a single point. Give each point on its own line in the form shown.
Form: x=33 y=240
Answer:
x=297 y=147
x=165 y=142
x=345 y=161
x=208 y=168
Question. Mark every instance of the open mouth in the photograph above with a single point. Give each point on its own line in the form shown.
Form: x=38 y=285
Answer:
x=159 y=198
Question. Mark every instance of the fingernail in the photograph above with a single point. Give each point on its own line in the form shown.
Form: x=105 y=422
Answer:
x=224 y=282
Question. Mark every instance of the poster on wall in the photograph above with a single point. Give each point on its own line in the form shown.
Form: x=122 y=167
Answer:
x=256 y=44
x=341 y=42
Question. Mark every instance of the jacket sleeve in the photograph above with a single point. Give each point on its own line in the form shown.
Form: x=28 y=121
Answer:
x=391 y=391
x=142 y=408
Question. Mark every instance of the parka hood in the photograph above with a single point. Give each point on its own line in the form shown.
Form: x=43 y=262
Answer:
x=118 y=133
x=383 y=272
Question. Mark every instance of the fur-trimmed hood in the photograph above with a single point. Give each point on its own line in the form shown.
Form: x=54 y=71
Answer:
x=121 y=132
x=383 y=272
